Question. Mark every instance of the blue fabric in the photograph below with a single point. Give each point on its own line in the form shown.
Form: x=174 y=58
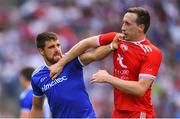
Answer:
x=67 y=96
x=26 y=100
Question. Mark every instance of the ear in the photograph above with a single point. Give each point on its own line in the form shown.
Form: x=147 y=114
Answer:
x=141 y=28
x=41 y=51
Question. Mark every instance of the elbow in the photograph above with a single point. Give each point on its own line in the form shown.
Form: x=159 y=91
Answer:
x=140 y=93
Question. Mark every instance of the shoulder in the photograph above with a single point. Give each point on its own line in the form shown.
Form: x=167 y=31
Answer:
x=154 y=53
x=38 y=70
x=75 y=61
x=155 y=50
x=25 y=94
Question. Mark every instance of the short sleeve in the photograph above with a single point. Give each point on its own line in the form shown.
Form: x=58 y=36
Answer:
x=151 y=65
x=36 y=90
x=106 y=38
x=26 y=102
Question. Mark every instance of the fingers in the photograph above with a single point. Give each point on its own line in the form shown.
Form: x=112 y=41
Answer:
x=93 y=79
x=120 y=36
x=54 y=76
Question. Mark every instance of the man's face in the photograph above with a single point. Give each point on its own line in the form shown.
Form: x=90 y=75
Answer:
x=130 y=29
x=22 y=80
x=52 y=51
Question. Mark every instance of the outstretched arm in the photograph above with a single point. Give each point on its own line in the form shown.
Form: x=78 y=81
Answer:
x=99 y=53
x=75 y=51
x=95 y=55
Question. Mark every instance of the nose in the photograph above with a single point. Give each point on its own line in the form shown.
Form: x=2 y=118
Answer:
x=57 y=48
x=123 y=27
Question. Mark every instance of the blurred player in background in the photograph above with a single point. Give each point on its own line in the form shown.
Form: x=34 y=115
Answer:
x=66 y=94
x=27 y=94
x=136 y=64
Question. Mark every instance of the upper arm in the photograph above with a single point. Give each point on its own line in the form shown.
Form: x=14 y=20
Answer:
x=38 y=102
x=150 y=66
x=106 y=38
x=36 y=90
x=149 y=69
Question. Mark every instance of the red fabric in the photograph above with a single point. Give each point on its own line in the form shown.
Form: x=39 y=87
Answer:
x=132 y=114
x=131 y=60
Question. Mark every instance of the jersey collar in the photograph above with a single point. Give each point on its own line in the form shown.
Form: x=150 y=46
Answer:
x=136 y=42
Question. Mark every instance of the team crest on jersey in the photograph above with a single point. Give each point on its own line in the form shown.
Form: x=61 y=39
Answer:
x=124 y=47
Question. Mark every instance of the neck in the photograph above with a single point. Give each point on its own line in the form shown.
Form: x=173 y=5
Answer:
x=47 y=62
x=141 y=37
x=27 y=85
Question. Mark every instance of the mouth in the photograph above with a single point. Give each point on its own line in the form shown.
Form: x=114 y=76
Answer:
x=124 y=33
x=57 y=56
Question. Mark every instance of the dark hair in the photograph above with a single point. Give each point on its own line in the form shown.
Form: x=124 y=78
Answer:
x=27 y=72
x=143 y=16
x=43 y=37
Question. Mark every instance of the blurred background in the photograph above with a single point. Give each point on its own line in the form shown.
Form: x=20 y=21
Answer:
x=73 y=20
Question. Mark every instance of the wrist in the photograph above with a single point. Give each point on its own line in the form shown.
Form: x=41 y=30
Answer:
x=112 y=47
x=60 y=63
x=108 y=79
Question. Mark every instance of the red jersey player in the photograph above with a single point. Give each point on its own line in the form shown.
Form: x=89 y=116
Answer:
x=136 y=64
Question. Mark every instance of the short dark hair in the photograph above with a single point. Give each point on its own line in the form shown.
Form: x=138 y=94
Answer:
x=143 y=16
x=27 y=72
x=43 y=37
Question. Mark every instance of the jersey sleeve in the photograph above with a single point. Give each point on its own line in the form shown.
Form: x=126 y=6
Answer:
x=36 y=90
x=106 y=38
x=151 y=65
x=26 y=102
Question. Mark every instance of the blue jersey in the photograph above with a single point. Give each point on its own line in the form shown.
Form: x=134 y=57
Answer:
x=67 y=96
x=26 y=100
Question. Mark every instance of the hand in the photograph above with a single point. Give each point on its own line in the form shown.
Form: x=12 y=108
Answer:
x=116 y=39
x=55 y=70
x=100 y=77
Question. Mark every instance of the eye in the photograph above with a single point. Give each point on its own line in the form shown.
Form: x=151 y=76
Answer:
x=50 y=47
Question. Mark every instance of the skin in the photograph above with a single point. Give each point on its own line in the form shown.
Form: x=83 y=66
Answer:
x=131 y=30
x=52 y=52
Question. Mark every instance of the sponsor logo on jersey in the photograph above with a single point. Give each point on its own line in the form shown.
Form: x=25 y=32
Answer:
x=120 y=60
x=124 y=47
x=53 y=83
x=42 y=79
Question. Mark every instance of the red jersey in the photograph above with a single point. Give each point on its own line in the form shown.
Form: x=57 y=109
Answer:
x=133 y=60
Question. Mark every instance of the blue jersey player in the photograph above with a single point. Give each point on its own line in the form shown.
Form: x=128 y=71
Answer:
x=26 y=95
x=66 y=94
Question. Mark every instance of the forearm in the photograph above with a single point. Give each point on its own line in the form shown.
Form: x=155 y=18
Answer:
x=95 y=55
x=79 y=49
x=102 y=52
x=131 y=87
x=36 y=113
x=24 y=114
